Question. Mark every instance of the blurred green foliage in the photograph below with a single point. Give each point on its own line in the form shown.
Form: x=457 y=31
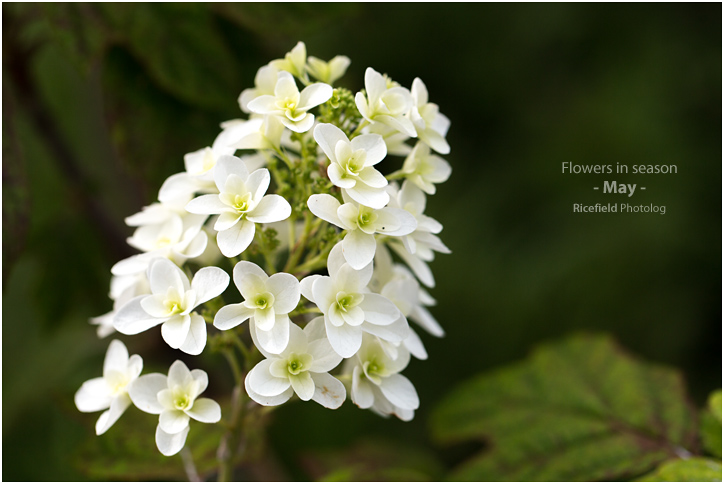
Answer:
x=697 y=469
x=101 y=102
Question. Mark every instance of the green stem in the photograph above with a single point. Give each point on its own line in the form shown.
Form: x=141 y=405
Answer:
x=359 y=128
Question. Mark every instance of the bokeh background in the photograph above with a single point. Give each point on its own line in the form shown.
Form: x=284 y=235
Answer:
x=101 y=102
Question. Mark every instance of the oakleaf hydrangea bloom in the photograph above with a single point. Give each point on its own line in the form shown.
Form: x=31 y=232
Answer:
x=377 y=383
x=330 y=71
x=390 y=106
x=297 y=197
x=361 y=224
x=175 y=400
x=289 y=104
x=302 y=368
x=425 y=169
x=431 y=125
x=267 y=300
x=171 y=303
x=349 y=308
x=240 y=204
x=111 y=390
x=351 y=164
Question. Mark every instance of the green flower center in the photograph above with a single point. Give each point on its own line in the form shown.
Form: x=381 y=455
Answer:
x=264 y=300
x=366 y=217
x=241 y=203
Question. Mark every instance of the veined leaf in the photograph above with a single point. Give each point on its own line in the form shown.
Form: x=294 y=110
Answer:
x=578 y=409
x=697 y=469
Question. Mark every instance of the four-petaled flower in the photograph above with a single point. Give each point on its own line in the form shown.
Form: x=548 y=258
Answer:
x=352 y=164
x=174 y=399
x=240 y=204
x=267 y=300
x=302 y=368
x=290 y=105
x=111 y=390
x=171 y=303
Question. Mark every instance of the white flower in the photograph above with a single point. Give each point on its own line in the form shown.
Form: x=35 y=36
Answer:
x=264 y=83
x=361 y=224
x=123 y=289
x=178 y=238
x=413 y=200
x=430 y=124
x=175 y=400
x=241 y=204
x=377 y=384
x=424 y=169
x=294 y=61
x=352 y=164
x=328 y=71
x=302 y=368
x=289 y=105
x=262 y=133
x=383 y=105
x=171 y=303
x=267 y=300
x=394 y=140
x=111 y=390
x=349 y=308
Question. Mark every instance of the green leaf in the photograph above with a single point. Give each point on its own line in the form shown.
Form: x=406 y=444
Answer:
x=578 y=409
x=697 y=469
x=710 y=426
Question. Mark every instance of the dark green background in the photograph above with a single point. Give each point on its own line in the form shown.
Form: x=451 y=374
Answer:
x=101 y=102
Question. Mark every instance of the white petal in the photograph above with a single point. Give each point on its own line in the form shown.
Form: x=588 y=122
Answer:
x=418 y=266
x=301 y=126
x=373 y=144
x=314 y=95
x=195 y=341
x=170 y=444
x=249 y=278
x=379 y=310
x=228 y=165
x=226 y=220
x=208 y=283
x=235 y=240
x=327 y=136
x=144 y=390
x=346 y=340
x=179 y=374
x=335 y=260
x=118 y=405
x=205 y=410
x=177 y=187
x=264 y=104
x=232 y=315
x=359 y=248
x=427 y=321
x=285 y=288
x=268 y=401
x=164 y=274
x=176 y=330
x=375 y=84
x=371 y=197
x=325 y=359
x=394 y=333
x=305 y=286
x=372 y=178
x=328 y=391
x=403 y=221
x=93 y=395
x=400 y=392
x=262 y=382
x=116 y=357
x=173 y=421
x=201 y=379
x=414 y=345
x=314 y=330
x=325 y=207
x=362 y=394
x=258 y=183
x=206 y=204
x=275 y=339
x=271 y=208
x=264 y=319
x=303 y=385
x=132 y=319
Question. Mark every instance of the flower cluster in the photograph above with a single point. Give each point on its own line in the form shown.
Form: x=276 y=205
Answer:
x=327 y=251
